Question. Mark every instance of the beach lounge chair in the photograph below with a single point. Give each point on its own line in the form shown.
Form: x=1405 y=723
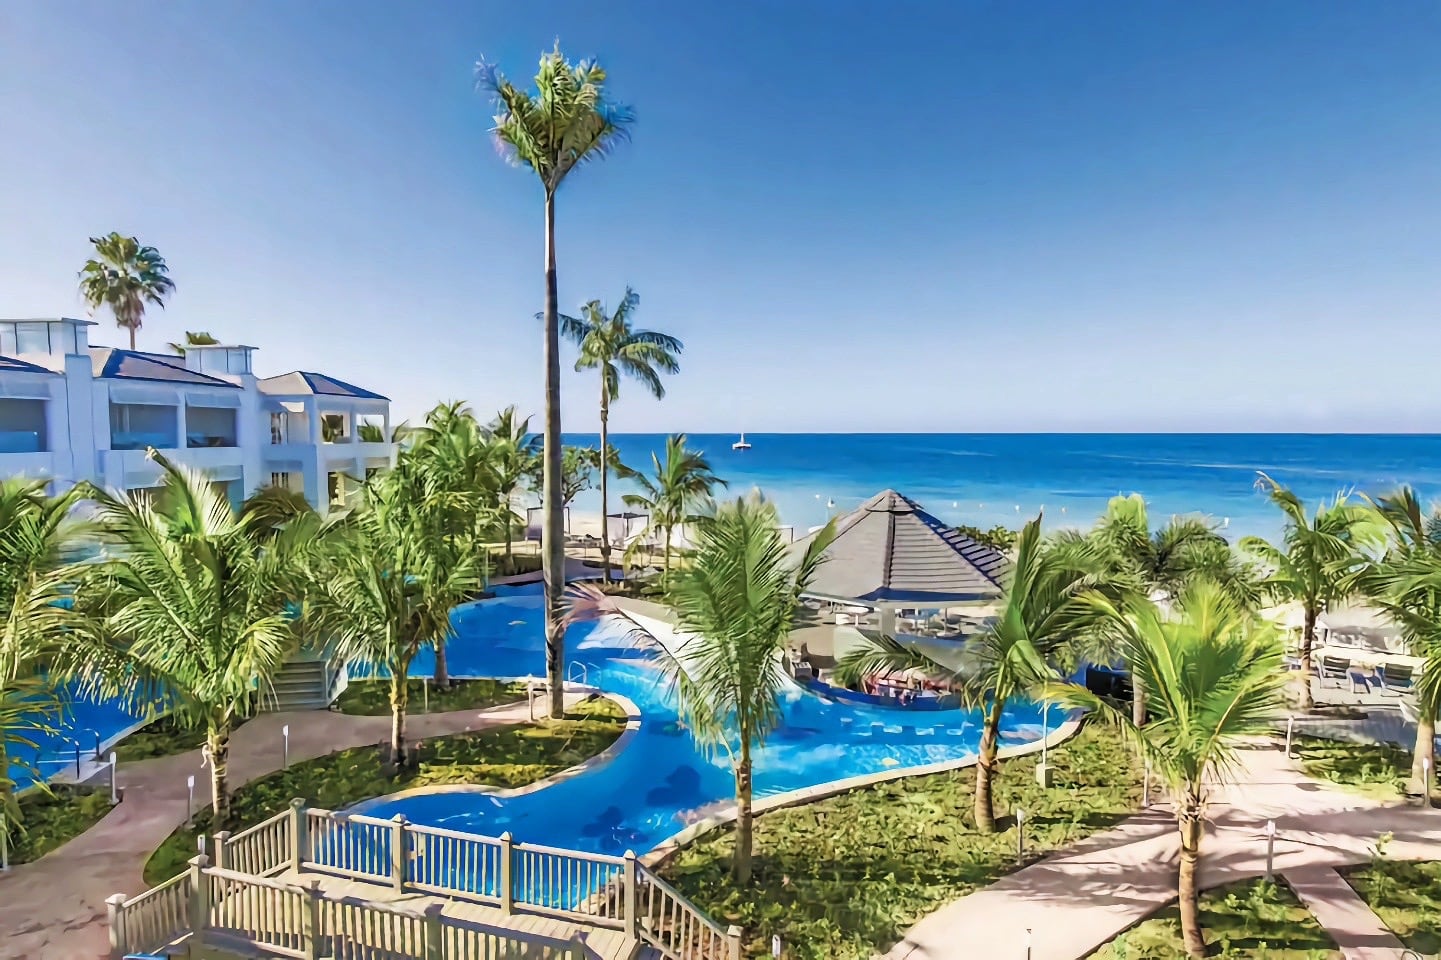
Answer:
x=1360 y=683
x=1394 y=678
x=1335 y=668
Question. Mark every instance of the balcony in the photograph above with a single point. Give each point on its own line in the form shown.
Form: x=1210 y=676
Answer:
x=21 y=441
x=142 y=440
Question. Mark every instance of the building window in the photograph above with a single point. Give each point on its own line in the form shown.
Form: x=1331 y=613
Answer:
x=135 y=426
x=210 y=427
x=277 y=428
x=281 y=480
x=22 y=426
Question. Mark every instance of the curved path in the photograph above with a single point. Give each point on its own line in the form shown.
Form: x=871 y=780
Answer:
x=55 y=907
x=1077 y=900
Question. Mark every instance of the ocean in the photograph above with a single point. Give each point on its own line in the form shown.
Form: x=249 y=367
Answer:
x=988 y=479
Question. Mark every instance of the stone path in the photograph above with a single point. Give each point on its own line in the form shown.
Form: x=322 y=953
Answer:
x=1351 y=923
x=55 y=907
x=1077 y=900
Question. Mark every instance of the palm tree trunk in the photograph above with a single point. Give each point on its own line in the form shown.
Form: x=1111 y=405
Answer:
x=986 y=766
x=1423 y=756
x=399 y=697
x=217 y=738
x=604 y=475
x=1308 y=640
x=132 y=335
x=552 y=542
x=741 y=868
x=1138 y=700
x=442 y=667
x=509 y=531
x=1190 y=826
x=665 y=562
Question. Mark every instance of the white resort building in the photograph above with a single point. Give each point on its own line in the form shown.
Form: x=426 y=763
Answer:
x=70 y=411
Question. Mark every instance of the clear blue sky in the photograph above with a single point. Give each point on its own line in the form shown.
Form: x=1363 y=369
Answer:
x=859 y=216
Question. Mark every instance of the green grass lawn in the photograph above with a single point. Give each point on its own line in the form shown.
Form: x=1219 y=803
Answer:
x=1376 y=770
x=371 y=698
x=844 y=877
x=1252 y=920
x=1407 y=898
x=509 y=756
x=158 y=738
x=51 y=818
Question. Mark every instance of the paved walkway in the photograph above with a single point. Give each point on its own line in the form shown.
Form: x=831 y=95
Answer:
x=1074 y=901
x=55 y=907
x=1352 y=924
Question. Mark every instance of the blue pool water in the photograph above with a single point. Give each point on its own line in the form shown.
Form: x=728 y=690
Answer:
x=660 y=782
x=82 y=722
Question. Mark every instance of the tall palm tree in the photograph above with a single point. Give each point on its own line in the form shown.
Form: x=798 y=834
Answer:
x=610 y=344
x=1043 y=609
x=512 y=458
x=387 y=584
x=735 y=607
x=681 y=484
x=193 y=338
x=1159 y=564
x=201 y=596
x=124 y=275
x=566 y=122
x=1315 y=562
x=1405 y=582
x=40 y=633
x=1216 y=675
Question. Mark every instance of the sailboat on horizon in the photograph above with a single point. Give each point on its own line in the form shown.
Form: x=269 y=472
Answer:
x=741 y=443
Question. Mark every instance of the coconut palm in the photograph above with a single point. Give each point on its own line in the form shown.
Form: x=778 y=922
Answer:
x=387 y=583
x=201 y=596
x=578 y=466
x=124 y=275
x=1405 y=582
x=1215 y=674
x=1043 y=609
x=512 y=456
x=566 y=122
x=193 y=338
x=735 y=606
x=1315 y=562
x=1159 y=564
x=681 y=484
x=610 y=344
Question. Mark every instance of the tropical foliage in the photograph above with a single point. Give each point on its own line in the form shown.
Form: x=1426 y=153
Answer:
x=1315 y=563
x=611 y=345
x=1215 y=674
x=734 y=607
x=1043 y=609
x=673 y=495
x=124 y=276
x=193 y=338
x=566 y=122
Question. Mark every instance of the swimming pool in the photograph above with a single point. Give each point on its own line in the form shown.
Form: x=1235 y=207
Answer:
x=83 y=723
x=660 y=782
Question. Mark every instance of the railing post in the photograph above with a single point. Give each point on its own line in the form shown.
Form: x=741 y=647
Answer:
x=577 y=950
x=297 y=833
x=310 y=921
x=631 y=896
x=733 y=943
x=397 y=852
x=199 y=898
x=507 y=888
x=434 y=935
x=115 y=919
x=221 y=838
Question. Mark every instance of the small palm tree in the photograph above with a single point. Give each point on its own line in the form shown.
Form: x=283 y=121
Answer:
x=1044 y=608
x=193 y=338
x=512 y=456
x=201 y=596
x=387 y=583
x=610 y=344
x=1405 y=582
x=1316 y=561
x=1160 y=564
x=566 y=122
x=682 y=483
x=125 y=276
x=735 y=607
x=1215 y=672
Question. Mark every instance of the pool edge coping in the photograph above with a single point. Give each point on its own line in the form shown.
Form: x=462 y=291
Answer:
x=673 y=844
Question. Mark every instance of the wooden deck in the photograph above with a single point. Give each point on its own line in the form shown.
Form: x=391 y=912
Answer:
x=599 y=943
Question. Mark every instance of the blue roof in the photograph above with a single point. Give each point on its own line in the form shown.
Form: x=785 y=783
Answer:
x=305 y=382
x=116 y=364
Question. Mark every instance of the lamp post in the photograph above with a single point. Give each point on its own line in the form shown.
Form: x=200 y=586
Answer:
x=1290 y=729
x=285 y=747
x=1020 y=835
x=4 y=841
x=1028 y=943
x=190 y=800
x=425 y=692
x=114 y=794
x=1270 y=848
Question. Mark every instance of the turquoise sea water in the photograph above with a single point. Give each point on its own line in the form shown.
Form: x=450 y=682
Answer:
x=987 y=479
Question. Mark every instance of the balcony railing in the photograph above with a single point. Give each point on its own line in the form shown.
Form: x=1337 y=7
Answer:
x=21 y=441
x=136 y=440
x=209 y=440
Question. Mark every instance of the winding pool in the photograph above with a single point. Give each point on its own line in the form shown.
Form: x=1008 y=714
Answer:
x=660 y=782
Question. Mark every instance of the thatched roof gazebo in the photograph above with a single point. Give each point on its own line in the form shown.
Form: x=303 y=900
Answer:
x=889 y=554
